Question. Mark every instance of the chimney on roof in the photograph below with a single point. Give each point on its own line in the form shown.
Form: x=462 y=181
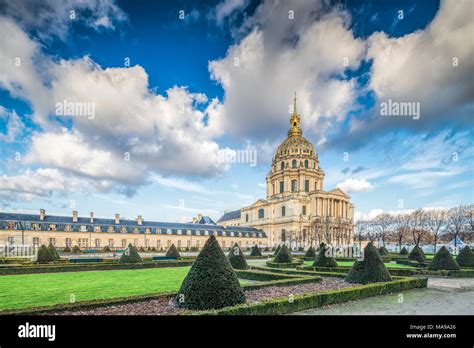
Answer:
x=117 y=218
x=42 y=214
x=92 y=217
x=74 y=216
x=139 y=220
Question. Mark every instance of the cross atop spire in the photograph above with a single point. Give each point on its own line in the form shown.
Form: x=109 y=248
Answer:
x=295 y=130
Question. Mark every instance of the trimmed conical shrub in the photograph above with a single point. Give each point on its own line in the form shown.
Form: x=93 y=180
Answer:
x=130 y=255
x=383 y=251
x=370 y=270
x=44 y=255
x=277 y=250
x=323 y=260
x=106 y=249
x=417 y=254
x=310 y=253
x=443 y=260
x=284 y=255
x=236 y=258
x=67 y=249
x=53 y=252
x=255 y=251
x=76 y=249
x=465 y=257
x=211 y=282
x=404 y=251
x=173 y=252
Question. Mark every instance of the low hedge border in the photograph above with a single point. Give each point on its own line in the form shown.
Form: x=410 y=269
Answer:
x=463 y=273
x=405 y=272
x=412 y=263
x=264 y=275
x=279 y=280
x=285 y=265
x=282 y=305
x=285 y=271
x=91 y=267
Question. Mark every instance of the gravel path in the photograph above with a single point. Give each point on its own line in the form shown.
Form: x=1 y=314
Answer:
x=444 y=296
x=165 y=305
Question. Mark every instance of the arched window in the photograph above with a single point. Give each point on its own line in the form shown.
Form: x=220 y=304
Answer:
x=282 y=166
x=294 y=185
x=293 y=164
x=261 y=213
x=306 y=163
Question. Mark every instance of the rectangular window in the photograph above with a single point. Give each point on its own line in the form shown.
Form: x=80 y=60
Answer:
x=111 y=229
x=188 y=243
x=246 y=217
x=304 y=209
x=52 y=227
x=83 y=228
x=97 y=243
x=306 y=185
x=11 y=225
x=52 y=241
x=158 y=244
x=282 y=186
x=294 y=185
x=36 y=227
x=111 y=243
x=68 y=242
x=97 y=229
x=36 y=241
x=11 y=240
x=68 y=228
x=283 y=211
x=124 y=243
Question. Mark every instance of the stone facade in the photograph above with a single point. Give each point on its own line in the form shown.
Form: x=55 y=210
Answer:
x=297 y=210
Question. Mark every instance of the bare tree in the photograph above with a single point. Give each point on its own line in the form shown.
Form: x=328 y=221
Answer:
x=457 y=218
x=436 y=223
x=417 y=225
x=401 y=228
x=382 y=224
x=361 y=227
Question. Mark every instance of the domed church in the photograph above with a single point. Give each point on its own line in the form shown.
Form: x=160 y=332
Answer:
x=297 y=211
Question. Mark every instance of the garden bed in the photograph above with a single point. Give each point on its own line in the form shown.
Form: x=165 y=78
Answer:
x=284 y=265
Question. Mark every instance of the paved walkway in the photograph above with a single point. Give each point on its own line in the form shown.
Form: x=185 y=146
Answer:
x=442 y=297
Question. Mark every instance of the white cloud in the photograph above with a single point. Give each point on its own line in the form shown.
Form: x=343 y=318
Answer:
x=42 y=182
x=280 y=56
x=227 y=7
x=180 y=184
x=355 y=185
x=55 y=18
x=14 y=125
x=420 y=67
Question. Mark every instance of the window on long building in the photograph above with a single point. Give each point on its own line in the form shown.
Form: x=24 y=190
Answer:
x=68 y=242
x=261 y=213
x=282 y=186
x=293 y=164
x=306 y=185
x=283 y=211
x=304 y=209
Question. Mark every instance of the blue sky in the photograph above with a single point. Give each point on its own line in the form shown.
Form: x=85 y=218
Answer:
x=176 y=84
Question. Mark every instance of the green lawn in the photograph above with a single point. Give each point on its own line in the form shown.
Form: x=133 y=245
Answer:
x=350 y=263
x=31 y=290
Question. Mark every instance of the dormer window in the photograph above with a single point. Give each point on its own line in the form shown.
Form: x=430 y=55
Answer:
x=97 y=229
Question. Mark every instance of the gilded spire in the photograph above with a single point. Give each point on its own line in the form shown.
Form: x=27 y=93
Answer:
x=295 y=129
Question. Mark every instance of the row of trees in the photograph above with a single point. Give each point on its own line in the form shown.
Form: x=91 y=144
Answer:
x=421 y=226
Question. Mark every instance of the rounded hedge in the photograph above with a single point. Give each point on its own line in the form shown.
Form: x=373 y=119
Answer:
x=443 y=260
x=284 y=255
x=255 y=251
x=130 y=255
x=465 y=257
x=173 y=252
x=404 y=251
x=211 y=283
x=383 y=251
x=53 y=252
x=44 y=255
x=417 y=254
x=236 y=258
x=310 y=253
x=323 y=260
x=370 y=270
